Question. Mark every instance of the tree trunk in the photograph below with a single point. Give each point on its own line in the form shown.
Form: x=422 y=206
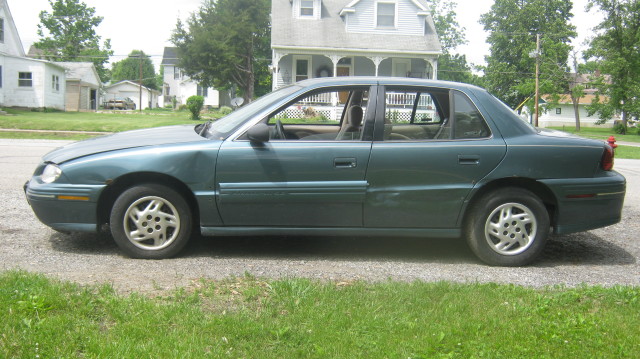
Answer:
x=576 y=111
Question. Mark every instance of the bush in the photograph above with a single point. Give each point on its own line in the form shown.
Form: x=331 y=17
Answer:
x=619 y=129
x=194 y=104
x=225 y=110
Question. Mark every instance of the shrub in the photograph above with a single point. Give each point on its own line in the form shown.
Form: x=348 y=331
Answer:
x=619 y=128
x=225 y=110
x=194 y=104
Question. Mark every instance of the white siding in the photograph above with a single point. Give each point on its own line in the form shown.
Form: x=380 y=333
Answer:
x=183 y=87
x=364 y=19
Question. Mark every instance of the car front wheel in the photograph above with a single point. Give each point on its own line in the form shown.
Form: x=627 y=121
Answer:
x=508 y=227
x=151 y=222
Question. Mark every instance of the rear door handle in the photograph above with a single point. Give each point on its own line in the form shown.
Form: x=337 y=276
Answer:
x=468 y=160
x=342 y=162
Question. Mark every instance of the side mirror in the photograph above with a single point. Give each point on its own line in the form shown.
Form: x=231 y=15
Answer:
x=259 y=133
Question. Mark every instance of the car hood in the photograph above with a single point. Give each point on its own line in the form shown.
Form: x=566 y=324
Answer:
x=123 y=140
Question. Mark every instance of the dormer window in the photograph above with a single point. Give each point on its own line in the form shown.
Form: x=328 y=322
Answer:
x=306 y=8
x=386 y=14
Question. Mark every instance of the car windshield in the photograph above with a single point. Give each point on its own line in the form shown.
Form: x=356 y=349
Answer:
x=223 y=127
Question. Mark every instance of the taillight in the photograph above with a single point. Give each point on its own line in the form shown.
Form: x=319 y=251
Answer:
x=607 y=158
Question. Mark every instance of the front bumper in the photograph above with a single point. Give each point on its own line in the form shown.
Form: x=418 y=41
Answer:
x=64 y=207
x=587 y=203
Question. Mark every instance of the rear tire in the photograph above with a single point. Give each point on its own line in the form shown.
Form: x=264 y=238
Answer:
x=508 y=227
x=151 y=222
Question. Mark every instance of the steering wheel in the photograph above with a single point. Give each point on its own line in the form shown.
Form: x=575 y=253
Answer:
x=280 y=130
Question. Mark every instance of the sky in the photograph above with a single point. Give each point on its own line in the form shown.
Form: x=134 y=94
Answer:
x=147 y=24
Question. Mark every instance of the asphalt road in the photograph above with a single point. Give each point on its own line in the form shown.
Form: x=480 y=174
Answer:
x=606 y=256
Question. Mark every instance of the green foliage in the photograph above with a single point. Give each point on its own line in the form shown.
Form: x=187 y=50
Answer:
x=512 y=27
x=225 y=110
x=67 y=33
x=248 y=317
x=620 y=128
x=194 y=104
x=129 y=69
x=227 y=43
x=615 y=51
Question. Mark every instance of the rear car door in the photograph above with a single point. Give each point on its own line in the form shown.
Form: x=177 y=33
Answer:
x=431 y=147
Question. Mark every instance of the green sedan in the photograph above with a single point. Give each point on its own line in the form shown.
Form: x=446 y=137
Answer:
x=350 y=156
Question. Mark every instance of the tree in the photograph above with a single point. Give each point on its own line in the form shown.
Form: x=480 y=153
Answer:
x=451 y=66
x=513 y=26
x=226 y=43
x=129 y=69
x=615 y=48
x=67 y=33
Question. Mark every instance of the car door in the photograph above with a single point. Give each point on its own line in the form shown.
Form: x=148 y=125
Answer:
x=424 y=160
x=311 y=178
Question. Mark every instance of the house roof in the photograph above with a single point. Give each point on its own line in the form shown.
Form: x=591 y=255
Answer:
x=170 y=56
x=290 y=32
x=566 y=99
x=79 y=70
x=128 y=82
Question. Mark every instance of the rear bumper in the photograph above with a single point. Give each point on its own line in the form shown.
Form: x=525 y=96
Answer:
x=587 y=203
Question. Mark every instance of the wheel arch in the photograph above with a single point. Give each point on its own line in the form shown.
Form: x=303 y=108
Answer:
x=539 y=189
x=121 y=184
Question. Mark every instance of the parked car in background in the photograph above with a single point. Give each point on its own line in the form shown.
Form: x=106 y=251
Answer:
x=366 y=156
x=120 y=103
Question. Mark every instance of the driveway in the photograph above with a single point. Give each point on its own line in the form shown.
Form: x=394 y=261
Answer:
x=606 y=256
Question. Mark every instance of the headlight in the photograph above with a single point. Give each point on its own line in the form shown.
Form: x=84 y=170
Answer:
x=51 y=173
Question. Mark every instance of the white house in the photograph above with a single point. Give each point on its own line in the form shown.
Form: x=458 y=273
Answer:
x=26 y=82
x=563 y=114
x=179 y=86
x=130 y=89
x=82 y=86
x=324 y=38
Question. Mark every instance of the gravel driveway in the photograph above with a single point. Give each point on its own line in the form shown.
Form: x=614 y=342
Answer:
x=606 y=256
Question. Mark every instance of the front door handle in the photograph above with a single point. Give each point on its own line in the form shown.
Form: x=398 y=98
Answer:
x=468 y=160
x=345 y=162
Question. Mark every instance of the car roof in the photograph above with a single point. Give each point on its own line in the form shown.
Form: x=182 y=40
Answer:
x=386 y=81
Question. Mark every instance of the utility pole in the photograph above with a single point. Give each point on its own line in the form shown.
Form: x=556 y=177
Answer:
x=140 y=109
x=535 y=117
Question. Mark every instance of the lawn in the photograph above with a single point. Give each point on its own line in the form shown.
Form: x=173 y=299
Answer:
x=111 y=121
x=298 y=318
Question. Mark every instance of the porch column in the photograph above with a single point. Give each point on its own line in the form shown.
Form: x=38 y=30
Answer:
x=376 y=61
x=434 y=68
x=335 y=59
x=275 y=67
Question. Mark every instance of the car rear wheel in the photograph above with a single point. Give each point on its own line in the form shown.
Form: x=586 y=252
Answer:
x=151 y=221
x=508 y=227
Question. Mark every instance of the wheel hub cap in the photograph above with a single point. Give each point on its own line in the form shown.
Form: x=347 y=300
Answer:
x=511 y=229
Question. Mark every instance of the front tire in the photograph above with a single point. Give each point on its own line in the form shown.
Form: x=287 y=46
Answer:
x=508 y=227
x=151 y=222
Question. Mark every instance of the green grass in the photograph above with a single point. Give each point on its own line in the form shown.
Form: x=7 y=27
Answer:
x=115 y=121
x=298 y=318
x=602 y=133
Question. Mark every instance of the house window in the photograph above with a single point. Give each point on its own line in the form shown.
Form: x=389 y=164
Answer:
x=202 y=91
x=306 y=8
x=0 y=76
x=25 y=79
x=167 y=90
x=176 y=73
x=386 y=16
x=1 y=30
x=558 y=111
x=55 y=83
x=302 y=68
